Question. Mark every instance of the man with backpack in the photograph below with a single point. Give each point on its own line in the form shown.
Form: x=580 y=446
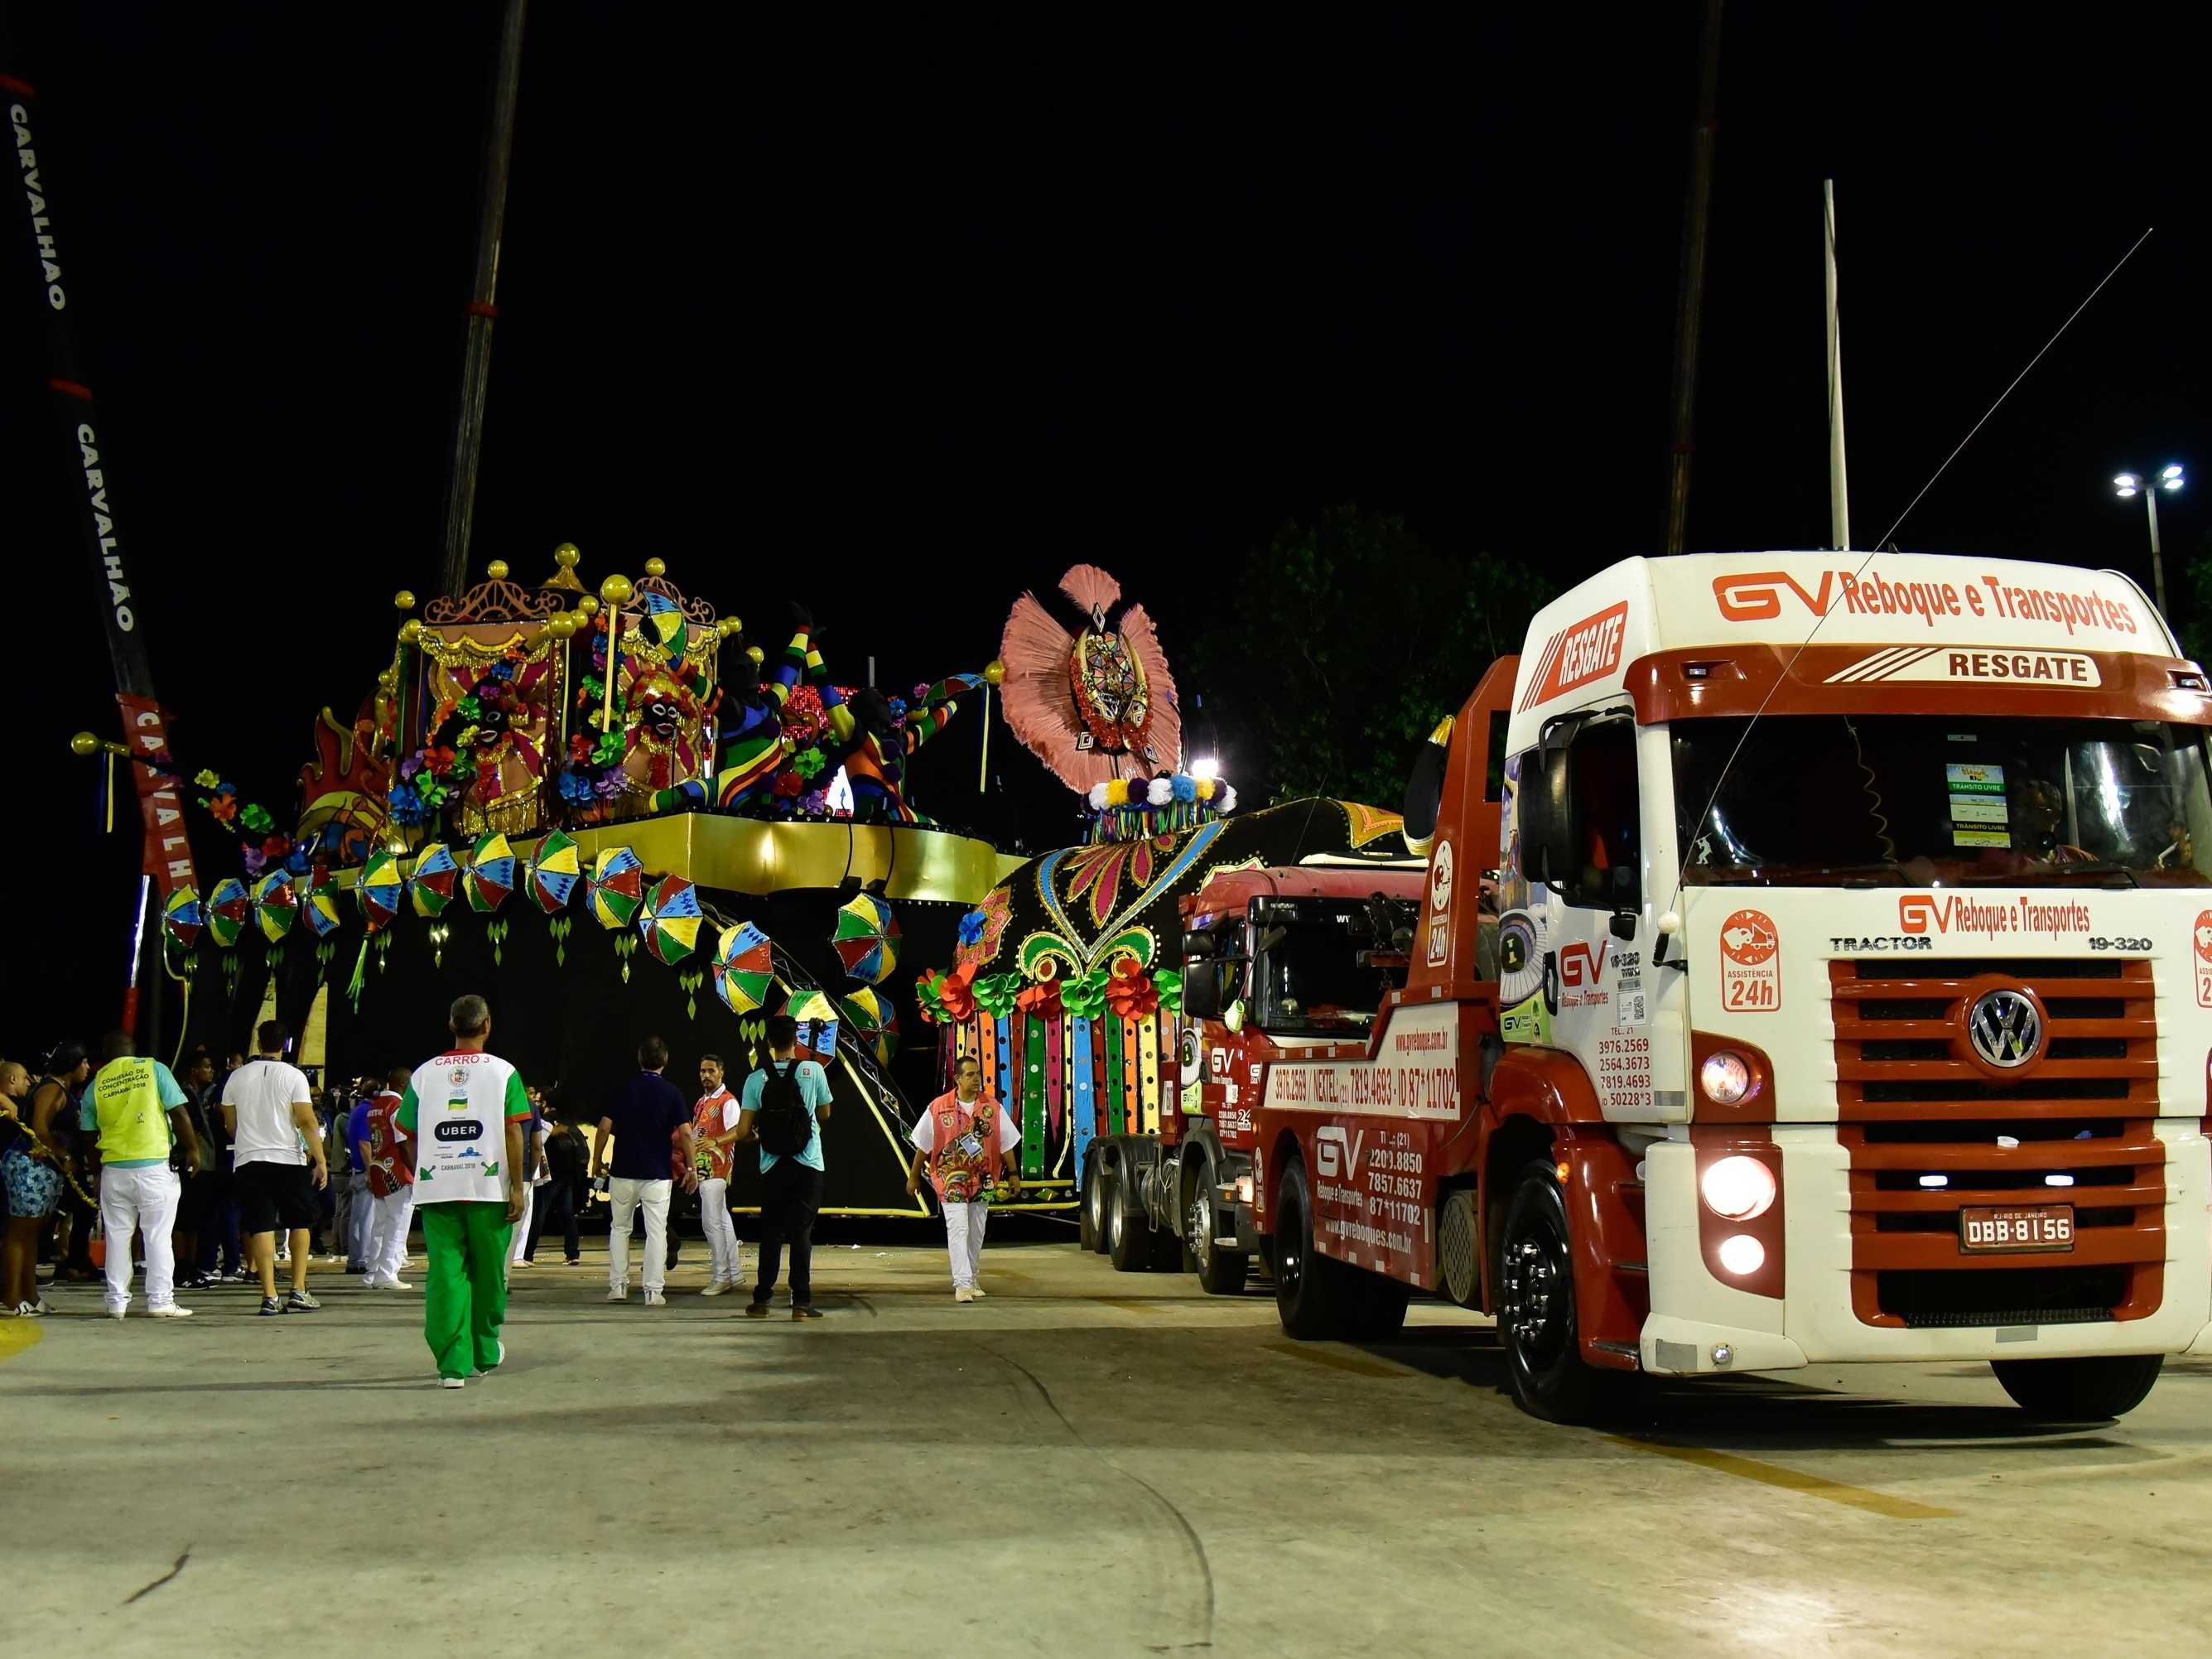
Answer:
x=784 y=1106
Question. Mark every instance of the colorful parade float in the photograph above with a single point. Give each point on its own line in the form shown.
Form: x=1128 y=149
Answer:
x=613 y=814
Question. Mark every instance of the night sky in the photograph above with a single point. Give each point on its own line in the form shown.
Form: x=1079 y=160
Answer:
x=898 y=310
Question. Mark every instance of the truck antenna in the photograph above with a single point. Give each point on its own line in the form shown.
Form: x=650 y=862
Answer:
x=1882 y=542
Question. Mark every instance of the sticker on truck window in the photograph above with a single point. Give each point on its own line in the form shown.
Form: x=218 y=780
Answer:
x=1751 y=971
x=1979 y=816
x=2201 y=937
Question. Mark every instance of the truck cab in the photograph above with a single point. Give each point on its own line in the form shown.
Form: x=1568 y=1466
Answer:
x=1826 y=942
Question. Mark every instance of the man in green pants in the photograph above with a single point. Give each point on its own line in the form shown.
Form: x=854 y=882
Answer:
x=463 y=1115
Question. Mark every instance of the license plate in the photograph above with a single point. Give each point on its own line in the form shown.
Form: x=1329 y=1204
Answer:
x=2043 y=1227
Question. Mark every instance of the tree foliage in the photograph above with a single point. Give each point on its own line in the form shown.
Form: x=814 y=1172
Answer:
x=1343 y=644
x=2196 y=631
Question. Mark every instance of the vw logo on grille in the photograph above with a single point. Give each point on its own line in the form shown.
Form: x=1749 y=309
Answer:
x=2007 y=1028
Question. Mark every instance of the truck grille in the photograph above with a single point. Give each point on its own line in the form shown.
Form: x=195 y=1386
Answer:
x=1914 y=1102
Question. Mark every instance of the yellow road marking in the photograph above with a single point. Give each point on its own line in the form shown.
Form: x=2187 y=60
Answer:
x=1813 y=1485
x=1122 y=1302
x=1342 y=1362
x=18 y=1334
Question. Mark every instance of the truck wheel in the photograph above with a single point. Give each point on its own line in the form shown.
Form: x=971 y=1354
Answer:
x=1536 y=1313
x=1086 y=1208
x=1312 y=1295
x=1220 y=1271
x=2079 y=1390
x=1097 y=1194
x=1129 y=1242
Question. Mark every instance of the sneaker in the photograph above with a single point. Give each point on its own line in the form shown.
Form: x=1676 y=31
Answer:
x=42 y=1307
x=654 y=1299
x=486 y=1370
x=523 y=1261
x=118 y=1313
x=962 y=1293
x=804 y=1311
x=300 y=1302
x=452 y=1382
x=573 y=1261
x=173 y=1311
x=619 y=1293
x=718 y=1288
x=271 y=1306
x=979 y=1291
x=757 y=1310
x=395 y=1284
x=356 y=1266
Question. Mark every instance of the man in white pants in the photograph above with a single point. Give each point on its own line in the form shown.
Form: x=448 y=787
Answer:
x=141 y=1114
x=391 y=1194
x=533 y=1167
x=645 y=1117
x=714 y=1134
x=961 y=1140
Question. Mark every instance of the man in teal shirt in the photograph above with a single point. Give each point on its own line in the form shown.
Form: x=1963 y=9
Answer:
x=139 y=1111
x=791 y=1183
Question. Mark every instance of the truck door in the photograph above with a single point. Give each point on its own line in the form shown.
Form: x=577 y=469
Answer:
x=1583 y=842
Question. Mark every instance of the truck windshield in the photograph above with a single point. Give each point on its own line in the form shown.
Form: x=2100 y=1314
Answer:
x=1915 y=799
x=1325 y=964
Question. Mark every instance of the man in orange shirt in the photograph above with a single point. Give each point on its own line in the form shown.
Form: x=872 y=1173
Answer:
x=962 y=1141
x=714 y=1134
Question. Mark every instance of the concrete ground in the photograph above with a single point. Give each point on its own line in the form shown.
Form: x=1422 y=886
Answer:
x=1085 y=1463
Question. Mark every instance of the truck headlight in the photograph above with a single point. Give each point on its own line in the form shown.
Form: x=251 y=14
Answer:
x=1725 y=1078
x=1742 y=1254
x=1739 y=1189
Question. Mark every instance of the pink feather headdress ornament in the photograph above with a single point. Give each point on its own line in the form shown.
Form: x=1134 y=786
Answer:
x=1088 y=691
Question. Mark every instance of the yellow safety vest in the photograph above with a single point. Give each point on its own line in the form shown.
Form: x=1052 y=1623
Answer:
x=128 y=1106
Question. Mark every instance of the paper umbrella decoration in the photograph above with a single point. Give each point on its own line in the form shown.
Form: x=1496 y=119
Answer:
x=183 y=915
x=867 y=939
x=671 y=919
x=618 y=887
x=379 y=891
x=227 y=910
x=436 y=874
x=490 y=876
x=745 y=968
x=873 y=1021
x=555 y=871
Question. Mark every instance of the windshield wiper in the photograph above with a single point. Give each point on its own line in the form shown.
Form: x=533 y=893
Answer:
x=2071 y=868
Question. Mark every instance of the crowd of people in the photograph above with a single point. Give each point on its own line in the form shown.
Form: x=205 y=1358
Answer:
x=239 y=1175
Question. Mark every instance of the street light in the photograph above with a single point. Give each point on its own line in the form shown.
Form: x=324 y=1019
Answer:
x=2128 y=485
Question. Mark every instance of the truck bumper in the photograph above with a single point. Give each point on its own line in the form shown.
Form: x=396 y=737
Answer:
x=1687 y=1347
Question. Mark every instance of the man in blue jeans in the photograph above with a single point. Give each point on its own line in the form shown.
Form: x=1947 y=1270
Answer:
x=791 y=1185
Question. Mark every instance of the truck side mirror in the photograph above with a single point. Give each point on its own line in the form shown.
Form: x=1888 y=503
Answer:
x=1551 y=842
x=1202 y=990
x=1197 y=945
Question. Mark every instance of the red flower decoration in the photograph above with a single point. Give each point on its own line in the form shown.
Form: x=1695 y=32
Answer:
x=1042 y=999
x=955 y=992
x=1129 y=990
x=789 y=784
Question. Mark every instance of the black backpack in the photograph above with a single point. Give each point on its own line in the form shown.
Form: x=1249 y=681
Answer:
x=781 y=1120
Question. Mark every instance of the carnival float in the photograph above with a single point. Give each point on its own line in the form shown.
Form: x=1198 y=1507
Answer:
x=613 y=812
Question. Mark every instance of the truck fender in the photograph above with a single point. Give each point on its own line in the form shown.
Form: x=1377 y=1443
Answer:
x=1540 y=1096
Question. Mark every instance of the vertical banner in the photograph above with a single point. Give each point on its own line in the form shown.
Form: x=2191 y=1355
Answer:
x=1148 y=1070
x=1116 y=1121
x=1005 y=1076
x=1055 y=1066
x=1033 y=1053
x=1082 y=1098
x=1132 y=1098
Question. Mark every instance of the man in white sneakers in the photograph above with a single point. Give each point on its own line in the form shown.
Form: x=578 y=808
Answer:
x=275 y=1142
x=463 y=1115
x=646 y=1114
x=391 y=1192
x=713 y=1134
x=961 y=1140
x=140 y=1111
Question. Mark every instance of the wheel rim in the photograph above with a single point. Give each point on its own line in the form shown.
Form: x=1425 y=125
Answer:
x=1538 y=1285
x=1201 y=1230
x=1289 y=1250
x=1113 y=1225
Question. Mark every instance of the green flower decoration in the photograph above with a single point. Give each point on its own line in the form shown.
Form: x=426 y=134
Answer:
x=995 y=994
x=1169 y=983
x=1085 y=998
x=255 y=817
x=608 y=750
x=807 y=762
x=470 y=707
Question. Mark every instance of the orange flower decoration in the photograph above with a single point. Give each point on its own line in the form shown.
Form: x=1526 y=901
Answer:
x=1129 y=990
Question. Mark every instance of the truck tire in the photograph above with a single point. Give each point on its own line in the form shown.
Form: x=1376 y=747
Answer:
x=1537 y=1318
x=1221 y=1271
x=2085 y=1391
x=1090 y=1214
x=1130 y=1244
x=1314 y=1294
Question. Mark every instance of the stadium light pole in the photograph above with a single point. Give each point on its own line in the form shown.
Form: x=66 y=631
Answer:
x=2128 y=485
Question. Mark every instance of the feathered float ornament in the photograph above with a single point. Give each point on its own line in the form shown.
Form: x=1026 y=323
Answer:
x=1087 y=687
